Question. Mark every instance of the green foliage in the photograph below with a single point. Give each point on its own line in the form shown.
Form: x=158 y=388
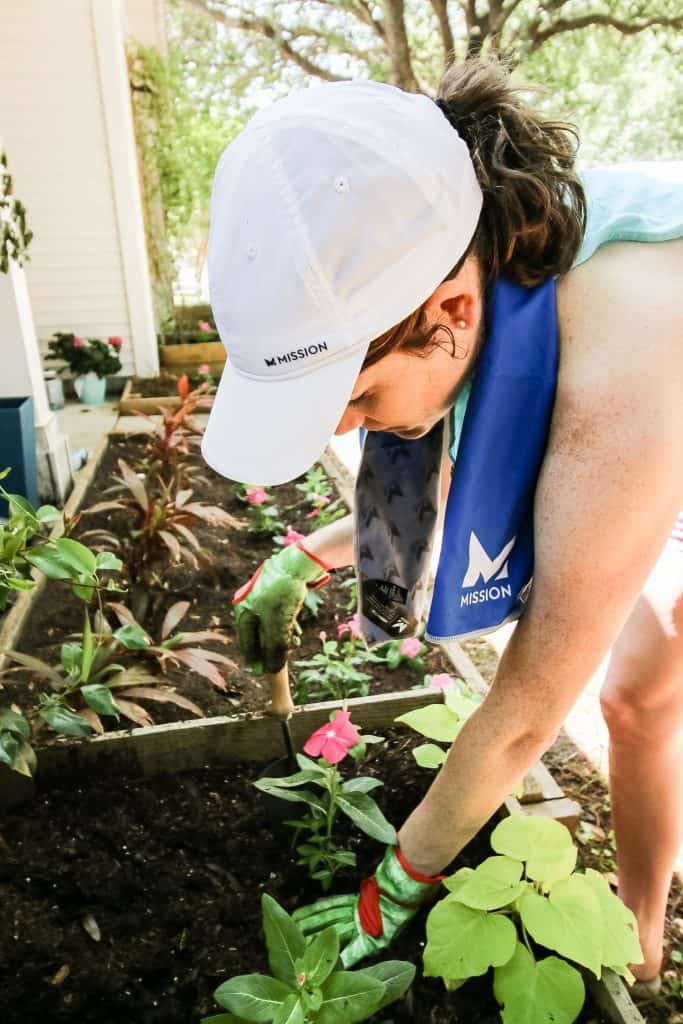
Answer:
x=86 y=356
x=24 y=524
x=14 y=232
x=307 y=987
x=529 y=893
x=319 y=852
x=15 y=750
x=441 y=722
x=334 y=673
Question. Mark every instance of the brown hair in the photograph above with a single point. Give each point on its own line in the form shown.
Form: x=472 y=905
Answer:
x=534 y=211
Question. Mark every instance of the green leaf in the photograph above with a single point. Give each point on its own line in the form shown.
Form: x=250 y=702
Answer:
x=47 y=560
x=428 y=755
x=364 y=812
x=548 y=992
x=284 y=940
x=19 y=502
x=435 y=722
x=288 y=781
x=363 y=784
x=254 y=996
x=291 y=1012
x=493 y=884
x=461 y=704
x=48 y=514
x=464 y=943
x=9 y=748
x=63 y=720
x=25 y=760
x=544 y=844
x=224 y=1018
x=76 y=556
x=14 y=722
x=71 y=655
x=295 y=796
x=321 y=957
x=133 y=637
x=569 y=920
x=88 y=648
x=108 y=560
x=349 y=997
x=84 y=589
x=620 y=945
x=396 y=976
x=98 y=697
x=456 y=882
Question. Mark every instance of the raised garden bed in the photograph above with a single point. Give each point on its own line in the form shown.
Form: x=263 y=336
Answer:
x=131 y=900
x=151 y=394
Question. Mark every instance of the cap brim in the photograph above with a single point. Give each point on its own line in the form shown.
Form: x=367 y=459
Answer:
x=269 y=432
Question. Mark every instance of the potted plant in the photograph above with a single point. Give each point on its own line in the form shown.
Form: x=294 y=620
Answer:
x=90 y=360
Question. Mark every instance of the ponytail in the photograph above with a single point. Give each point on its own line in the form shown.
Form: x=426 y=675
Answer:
x=534 y=211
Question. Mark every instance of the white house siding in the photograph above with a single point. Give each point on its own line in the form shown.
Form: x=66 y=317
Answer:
x=55 y=131
x=145 y=22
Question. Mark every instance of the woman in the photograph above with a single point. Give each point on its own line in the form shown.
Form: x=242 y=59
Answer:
x=378 y=260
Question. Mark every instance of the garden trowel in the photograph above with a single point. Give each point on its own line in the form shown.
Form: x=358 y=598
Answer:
x=280 y=707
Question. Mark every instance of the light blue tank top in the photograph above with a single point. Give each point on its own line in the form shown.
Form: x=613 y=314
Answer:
x=640 y=202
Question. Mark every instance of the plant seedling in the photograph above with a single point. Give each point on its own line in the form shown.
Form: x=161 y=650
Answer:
x=529 y=896
x=306 y=986
x=334 y=673
x=319 y=853
x=441 y=722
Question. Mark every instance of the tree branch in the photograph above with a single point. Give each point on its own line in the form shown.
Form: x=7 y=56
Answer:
x=265 y=28
x=440 y=8
x=402 y=73
x=540 y=36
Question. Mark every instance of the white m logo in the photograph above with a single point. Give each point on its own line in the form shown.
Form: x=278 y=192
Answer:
x=481 y=565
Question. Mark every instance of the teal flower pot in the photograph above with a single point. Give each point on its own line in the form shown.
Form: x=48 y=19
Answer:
x=90 y=388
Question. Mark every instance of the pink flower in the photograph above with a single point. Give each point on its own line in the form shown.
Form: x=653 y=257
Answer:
x=256 y=495
x=322 y=635
x=291 y=537
x=203 y=369
x=203 y=386
x=207 y=328
x=115 y=342
x=313 y=514
x=79 y=342
x=410 y=647
x=320 y=500
x=352 y=627
x=441 y=681
x=333 y=740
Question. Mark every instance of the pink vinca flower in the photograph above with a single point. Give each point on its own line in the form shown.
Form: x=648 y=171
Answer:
x=256 y=495
x=352 y=627
x=410 y=647
x=207 y=328
x=333 y=740
x=320 y=500
x=291 y=537
x=203 y=369
x=441 y=681
x=79 y=342
x=116 y=342
x=322 y=636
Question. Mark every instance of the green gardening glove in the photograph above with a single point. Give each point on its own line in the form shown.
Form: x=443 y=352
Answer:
x=266 y=608
x=367 y=923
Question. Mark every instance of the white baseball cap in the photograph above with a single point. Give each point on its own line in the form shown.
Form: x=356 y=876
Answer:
x=335 y=214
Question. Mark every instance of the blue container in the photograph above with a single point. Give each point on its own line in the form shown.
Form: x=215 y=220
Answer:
x=18 y=449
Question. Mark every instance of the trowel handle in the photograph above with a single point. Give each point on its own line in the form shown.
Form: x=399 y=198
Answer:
x=281 y=704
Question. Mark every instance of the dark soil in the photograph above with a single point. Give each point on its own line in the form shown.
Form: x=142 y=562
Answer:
x=168 y=872
x=237 y=553
x=166 y=384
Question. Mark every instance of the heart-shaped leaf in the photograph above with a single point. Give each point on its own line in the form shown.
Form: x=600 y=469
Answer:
x=544 y=844
x=568 y=920
x=428 y=755
x=620 y=945
x=493 y=884
x=436 y=722
x=464 y=943
x=548 y=992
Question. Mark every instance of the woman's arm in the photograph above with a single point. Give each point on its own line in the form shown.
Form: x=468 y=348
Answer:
x=609 y=490
x=333 y=543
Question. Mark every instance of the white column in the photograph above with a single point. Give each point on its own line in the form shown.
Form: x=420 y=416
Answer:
x=22 y=375
x=113 y=74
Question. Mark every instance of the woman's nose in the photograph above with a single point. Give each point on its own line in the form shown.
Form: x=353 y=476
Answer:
x=351 y=419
